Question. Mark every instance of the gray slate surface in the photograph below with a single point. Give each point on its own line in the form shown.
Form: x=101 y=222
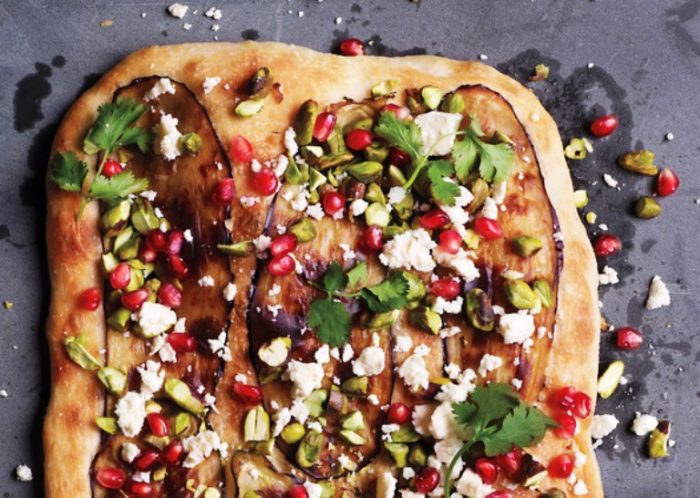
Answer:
x=646 y=56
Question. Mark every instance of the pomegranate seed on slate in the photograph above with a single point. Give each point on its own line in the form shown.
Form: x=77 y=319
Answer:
x=582 y=405
x=156 y=240
x=111 y=168
x=90 y=299
x=398 y=413
x=110 y=477
x=487 y=470
x=667 y=182
x=169 y=295
x=177 y=265
x=241 y=151
x=426 y=480
x=324 y=126
x=283 y=244
x=172 y=453
x=332 y=202
x=146 y=459
x=607 y=244
x=249 y=394
x=352 y=47
x=182 y=342
x=224 y=192
x=629 y=338
x=487 y=228
x=173 y=243
x=134 y=299
x=358 y=139
x=280 y=266
x=561 y=466
x=567 y=426
x=446 y=288
x=265 y=181
x=604 y=125
x=120 y=276
x=434 y=219
x=450 y=241
x=397 y=157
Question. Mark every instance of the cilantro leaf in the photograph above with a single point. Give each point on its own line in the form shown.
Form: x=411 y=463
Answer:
x=495 y=161
x=522 y=427
x=68 y=172
x=442 y=191
x=464 y=155
x=357 y=275
x=112 y=127
x=402 y=134
x=137 y=136
x=117 y=187
x=330 y=320
x=389 y=295
x=334 y=279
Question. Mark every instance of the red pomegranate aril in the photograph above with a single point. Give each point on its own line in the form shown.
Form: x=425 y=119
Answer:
x=172 y=453
x=173 y=243
x=607 y=245
x=249 y=394
x=224 y=192
x=283 y=244
x=265 y=181
x=111 y=168
x=487 y=470
x=146 y=460
x=567 y=426
x=332 y=202
x=358 y=139
x=434 y=219
x=280 y=266
x=399 y=413
x=445 y=288
x=134 y=299
x=241 y=151
x=604 y=125
x=352 y=47
x=90 y=299
x=139 y=489
x=561 y=466
x=324 y=126
x=158 y=424
x=450 y=241
x=487 y=228
x=169 y=295
x=297 y=491
x=110 y=477
x=582 y=405
x=563 y=397
x=120 y=276
x=177 y=265
x=629 y=338
x=182 y=342
x=400 y=112
x=397 y=157
x=426 y=480
x=510 y=462
x=374 y=238
x=146 y=254
x=667 y=182
x=156 y=240
x=500 y=494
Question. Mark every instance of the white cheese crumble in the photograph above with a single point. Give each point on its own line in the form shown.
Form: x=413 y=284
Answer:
x=403 y=344
x=608 y=276
x=442 y=423
x=219 y=348
x=396 y=195
x=305 y=377
x=489 y=363
x=438 y=131
x=348 y=353
x=456 y=392
x=471 y=485
x=213 y=13
x=386 y=486
x=490 y=209
x=313 y=490
x=609 y=180
x=163 y=85
x=201 y=446
x=315 y=211
x=643 y=424
x=323 y=355
x=230 y=291
x=178 y=10
x=188 y=235
x=413 y=371
x=410 y=250
x=262 y=243
x=151 y=378
x=370 y=362
x=149 y=195
x=210 y=83
x=358 y=207
x=206 y=281
x=282 y=418
x=602 y=425
x=442 y=305
x=23 y=473
x=459 y=262
x=290 y=142
x=421 y=417
x=580 y=488
x=516 y=327
x=168 y=137
x=131 y=413
x=155 y=318
x=129 y=452
x=658 y=294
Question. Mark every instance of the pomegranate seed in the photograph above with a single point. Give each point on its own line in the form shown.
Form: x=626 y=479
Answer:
x=134 y=299
x=90 y=299
x=146 y=254
x=567 y=426
x=604 y=125
x=177 y=265
x=156 y=240
x=158 y=424
x=629 y=338
x=450 y=241
x=280 y=266
x=434 y=219
x=172 y=453
x=398 y=111
x=487 y=228
x=563 y=397
x=146 y=459
x=374 y=238
x=224 y=192
x=487 y=470
x=324 y=126
x=120 y=276
x=140 y=489
x=297 y=491
x=582 y=405
x=249 y=394
x=241 y=151
x=427 y=480
x=173 y=243
x=510 y=462
x=111 y=168
x=181 y=342
x=332 y=202
x=265 y=181
x=667 y=182
x=561 y=466
x=169 y=295
x=445 y=288
x=500 y=494
x=607 y=244
x=397 y=157
x=358 y=139
x=398 y=413
x=110 y=477
x=352 y=47
x=283 y=244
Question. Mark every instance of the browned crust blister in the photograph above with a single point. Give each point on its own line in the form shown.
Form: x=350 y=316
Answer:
x=74 y=248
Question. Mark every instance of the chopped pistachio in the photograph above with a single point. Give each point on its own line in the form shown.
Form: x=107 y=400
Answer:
x=353 y=422
x=452 y=103
x=580 y=198
x=384 y=320
x=405 y=434
x=471 y=239
x=180 y=393
x=396 y=176
x=376 y=214
x=480 y=190
x=374 y=194
x=479 y=310
x=159 y=474
x=543 y=291
x=399 y=452
x=76 y=347
x=356 y=386
x=256 y=426
x=124 y=236
x=541 y=73
x=249 y=107
x=305 y=121
x=416 y=288
x=192 y=143
x=525 y=246
x=242 y=248
x=377 y=152
x=521 y=295
x=366 y=171
x=576 y=149
x=647 y=207
x=658 y=440
x=182 y=423
x=335 y=141
x=107 y=424
x=315 y=401
x=417 y=456
x=115 y=215
x=143 y=217
x=304 y=230
x=426 y=319
x=119 y=319
x=113 y=379
x=387 y=87
x=591 y=217
x=553 y=493
x=310 y=448
x=8 y=305
x=293 y=433
x=641 y=161
x=431 y=96
x=608 y=382
x=352 y=438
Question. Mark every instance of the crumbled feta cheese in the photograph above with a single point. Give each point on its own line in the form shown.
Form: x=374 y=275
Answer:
x=421 y=417
x=200 y=446
x=498 y=192
x=471 y=485
x=438 y=131
x=386 y=486
x=149 y=195
x=456 y=392
x=443 y=424
x=290 y=142
x=249 y=201
x=163 y=85
x=210 y=83
x=131 y=413
x=414 y=372
x=609 y=180
x=396 y=195
x=373 y=399
x=643 y=424
x=213 y=13
x=516 y=327
x=658 y=294
x=305 y=377
x=348 y=254
x=187 y=26
x=358 y=207
x=490 y=209
x=489 y=363
x=322 y=355
x=155 y=318
x=299 y=410
x=403 y=344
x=151 y=378
x=187 y=234
x=370 y=362
x=141 y=476
x=315 y=211
x=262 y=243
x=178 y=10
x=23 y=473
x=219 y=348
x=129 y=452
x=408 y=473
x=348 y=353
x=206 y=281
x=168 y=137
x=313 y=490
x=459 y=262
x=230 y=291
x=448 y=332
x=602 y=425
x=608 y=276
x=282 y=418
x=580 y=488
x=297 y=196
x=409 y=249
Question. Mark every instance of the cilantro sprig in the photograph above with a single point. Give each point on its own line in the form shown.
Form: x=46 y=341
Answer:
x=495 y=416
x=493 y=160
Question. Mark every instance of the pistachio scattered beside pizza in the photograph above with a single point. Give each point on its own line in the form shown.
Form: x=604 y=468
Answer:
x=279 y=273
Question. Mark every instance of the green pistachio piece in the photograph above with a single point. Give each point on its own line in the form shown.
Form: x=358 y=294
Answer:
x=380 y=321
x=374 y=194
x=115 y=215
x=315 y=197
x=540 y=73
x=525 y=246
x=335 y=141
x=608 y=382
x=521 y=295
x=553 y=493
x=534 y=480
x=256 y=426
x=182 y=423
x=293 y=433
x=393 y=230
x=399 y=452
x=355 y=386
x=480 y=190
x=249 y=107
x=396 y=176
x=333 y=177
x=262 y=447
x=252 y=494
x=647 y=207
x=124 y=236
x=377 y=152
x=471 y=239
x=416 y=289
x=641 y=161
x=364 y=123
x=591 y=217
x=658 y=440
x=113 y=379
x=426 y=319
x=311 y=153
x=576 y=149
x=191 y=143
x=260 y=83
x=316 y=179
x=352 y=438
x=310 y=448
x=242 y=248
x=385 y=88
x=107 y=424
x=292 y=174
x=180 y=393
x=158 y=442
x=143 y=216
x=543 y=291
x=417 y=456
x=415 y=103
x=377 y=214
x=353 y=422
x=109 y=262
x=76 y=347
x=334 y=159
x=405 y=434
x=404 y=209
x=304 y=230
x=305 y=121
x=479 y=310
x=431 y=96
x=153 y=407
x=357 y=276
x=580 y=198
x=119 y=319
x=328 y=490
x=130 y=249
x=366 y=171
x=452 y=103
x=159 y=474
x=314 y=402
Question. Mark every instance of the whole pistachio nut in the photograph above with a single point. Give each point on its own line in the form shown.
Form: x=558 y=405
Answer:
x=525 y=246
x=310 y=448
x=334 y=159
x=260 y=83
x=256 y=426
x=249 y=107
x=452 y=103
x=521 y=295
x=543 y=291
x=640 y=161
x=305 y=121
x=479 y=310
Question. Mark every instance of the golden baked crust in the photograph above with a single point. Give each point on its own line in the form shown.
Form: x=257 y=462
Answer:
x=74 y=248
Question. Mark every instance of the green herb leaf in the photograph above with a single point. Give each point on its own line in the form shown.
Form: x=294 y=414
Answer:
x=330 y=320
x=522 y=427
x=68 y=172
x=442 y=191
x=492 y=402
x=389 y=295
x=402 y=134
x=495 y=161
x=334 y=279
x=357 y=275
x=117 y=187
x=137 y=136
x=112 y=127
x=464 y=155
